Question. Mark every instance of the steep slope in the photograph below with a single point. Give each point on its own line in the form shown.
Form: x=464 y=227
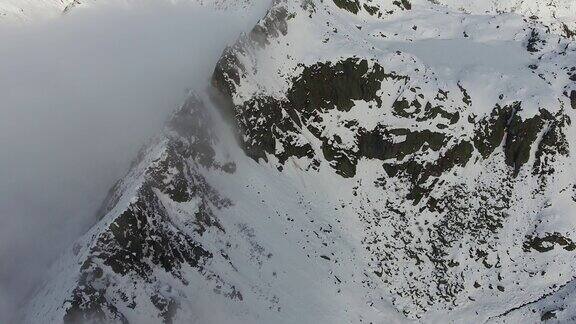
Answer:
x=399 y=161
x=196 y=233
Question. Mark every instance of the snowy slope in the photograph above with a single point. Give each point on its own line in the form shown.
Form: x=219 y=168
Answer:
x=355 y=161
x=560 y=15
x=24 y=11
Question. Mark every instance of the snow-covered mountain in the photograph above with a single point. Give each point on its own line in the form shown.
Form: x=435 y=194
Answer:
x=352 y=161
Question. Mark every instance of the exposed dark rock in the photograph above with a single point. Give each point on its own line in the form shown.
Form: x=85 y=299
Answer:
x=329 y=85
x=548 y=242
x=568 y=33
x=351 y=5
x=534 y=42
x=228 y=71
x=520 y=136
x=167 y=307
x=548 y=315
x=552 y=145
x=372 y=10
x=491 y=130
x=143 y=232
x=272 y=26
x=403 y=4
x=89 y=304
x=459 y=155
x=431 y=112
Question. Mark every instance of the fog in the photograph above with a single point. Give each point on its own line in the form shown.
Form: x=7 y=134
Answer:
x=79 y=95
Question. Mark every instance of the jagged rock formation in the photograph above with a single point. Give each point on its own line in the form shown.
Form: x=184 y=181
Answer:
x=395 y=163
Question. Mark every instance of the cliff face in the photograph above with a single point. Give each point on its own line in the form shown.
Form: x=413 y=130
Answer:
x=378 y=161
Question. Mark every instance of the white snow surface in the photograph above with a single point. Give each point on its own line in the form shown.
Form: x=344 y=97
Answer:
x=554 y=13
x=27 y=11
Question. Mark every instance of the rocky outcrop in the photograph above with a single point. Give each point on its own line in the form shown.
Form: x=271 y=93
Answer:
x=146 y=237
